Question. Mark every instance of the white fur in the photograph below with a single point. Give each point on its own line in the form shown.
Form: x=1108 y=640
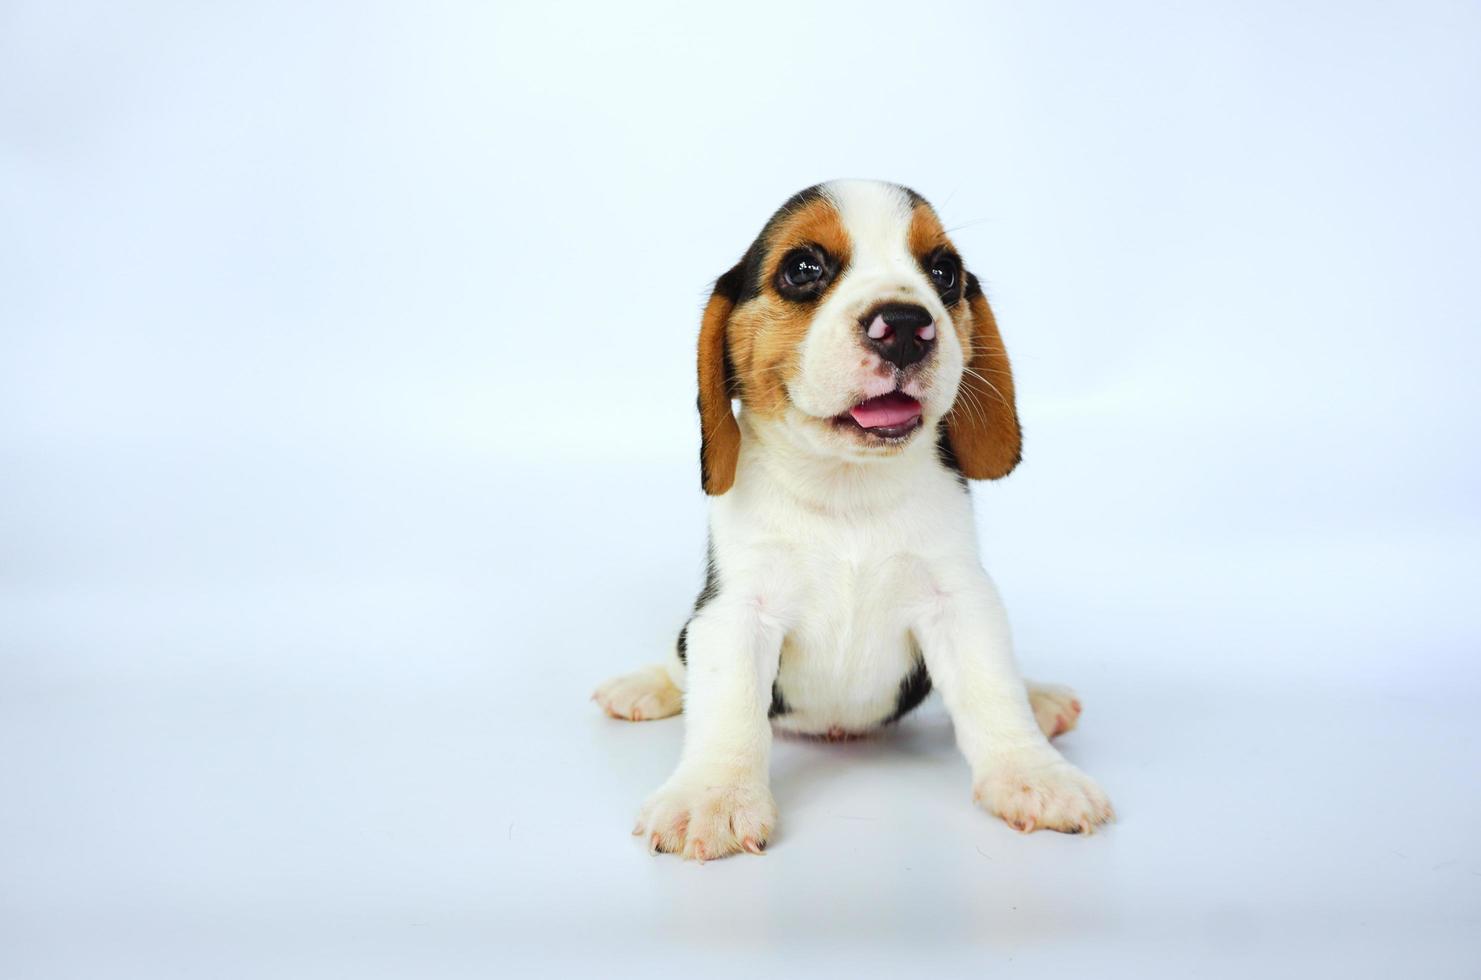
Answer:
x=839 y=567
x=836 y=373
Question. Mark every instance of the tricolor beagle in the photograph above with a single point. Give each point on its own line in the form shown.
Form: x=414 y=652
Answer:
x=844 y=581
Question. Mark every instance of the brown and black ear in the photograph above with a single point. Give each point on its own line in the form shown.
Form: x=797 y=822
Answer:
x=719 y=435
x=982 y=427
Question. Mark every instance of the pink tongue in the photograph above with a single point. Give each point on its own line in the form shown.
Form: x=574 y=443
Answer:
x=886 y=410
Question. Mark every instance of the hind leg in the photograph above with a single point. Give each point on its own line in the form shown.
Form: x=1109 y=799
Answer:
x=644 y=695
x=1056 y=707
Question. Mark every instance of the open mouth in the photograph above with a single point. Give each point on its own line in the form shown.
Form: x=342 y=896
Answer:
x=889 y=417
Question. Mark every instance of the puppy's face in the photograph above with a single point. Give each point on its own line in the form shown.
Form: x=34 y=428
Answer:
x=852 y=324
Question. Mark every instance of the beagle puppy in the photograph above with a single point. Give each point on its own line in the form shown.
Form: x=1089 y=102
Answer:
x=844 y=582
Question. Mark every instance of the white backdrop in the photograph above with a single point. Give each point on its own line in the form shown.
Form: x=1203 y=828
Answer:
x=347 y=440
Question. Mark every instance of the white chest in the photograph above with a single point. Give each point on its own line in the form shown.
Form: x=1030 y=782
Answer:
x=842 y=579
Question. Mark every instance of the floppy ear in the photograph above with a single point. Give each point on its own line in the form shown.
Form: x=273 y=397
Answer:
x=982 y=427
x=719 y=436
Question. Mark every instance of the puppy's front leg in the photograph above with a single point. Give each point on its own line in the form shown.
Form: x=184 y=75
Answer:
x=963 y=634
x=717 y=801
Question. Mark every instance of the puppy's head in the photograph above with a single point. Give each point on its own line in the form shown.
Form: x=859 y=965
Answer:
x=852 y=325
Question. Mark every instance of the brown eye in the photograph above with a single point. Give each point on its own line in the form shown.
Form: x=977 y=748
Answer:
x=802 y=270
x=804 y=273
x=945 y=272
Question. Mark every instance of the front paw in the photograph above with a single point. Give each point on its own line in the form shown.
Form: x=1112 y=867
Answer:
x=1040 y=789
x=703 y=821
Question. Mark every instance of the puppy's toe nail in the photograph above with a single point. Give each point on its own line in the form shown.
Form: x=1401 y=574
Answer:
x=699 y=852
x=750 y=844
x=638 y=829
x=1075 y=707
x=653 y=844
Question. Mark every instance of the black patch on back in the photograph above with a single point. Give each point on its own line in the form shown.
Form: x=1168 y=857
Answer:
x=947 y=455
x=704 y=474
x=913 y=690
x=710 y=590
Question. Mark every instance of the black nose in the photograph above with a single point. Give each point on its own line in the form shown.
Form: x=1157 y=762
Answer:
x=901 y=333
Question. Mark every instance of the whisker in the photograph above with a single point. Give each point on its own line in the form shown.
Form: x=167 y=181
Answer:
x=967 y=224
x=992 y=387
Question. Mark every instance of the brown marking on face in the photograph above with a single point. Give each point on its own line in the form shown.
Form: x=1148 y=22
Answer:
x=925 y=234
x=751 y=351
x=767 y=331
x=925 y=237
